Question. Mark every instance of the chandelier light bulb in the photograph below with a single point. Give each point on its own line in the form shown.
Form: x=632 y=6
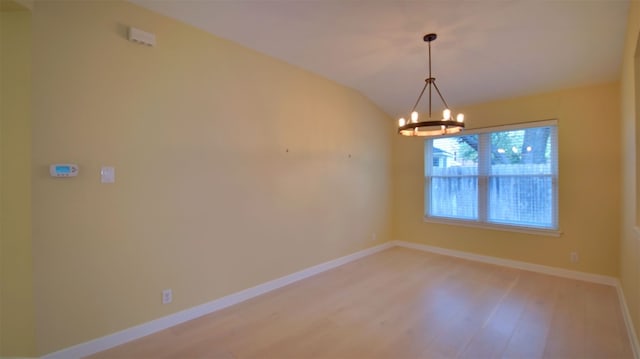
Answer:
x=460 y=117
x=446 y=114
x=414 y=116
x=401 y=122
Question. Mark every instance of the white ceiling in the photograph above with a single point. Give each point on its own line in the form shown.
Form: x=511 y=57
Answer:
x=485 y=50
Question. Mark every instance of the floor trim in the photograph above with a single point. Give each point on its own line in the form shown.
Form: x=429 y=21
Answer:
x=133 y=333
x=558 y=272
x=633 y=338
x=554 y=271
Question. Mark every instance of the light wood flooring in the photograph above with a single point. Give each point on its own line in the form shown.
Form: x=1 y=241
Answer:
x=403 y=303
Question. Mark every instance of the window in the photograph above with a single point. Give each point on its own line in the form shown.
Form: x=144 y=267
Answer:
x=504 y=177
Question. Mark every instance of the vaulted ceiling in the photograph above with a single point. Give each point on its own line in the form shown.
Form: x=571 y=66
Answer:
x=485 y=50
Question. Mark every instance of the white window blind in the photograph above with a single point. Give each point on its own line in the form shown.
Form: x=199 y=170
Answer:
x=502 y=176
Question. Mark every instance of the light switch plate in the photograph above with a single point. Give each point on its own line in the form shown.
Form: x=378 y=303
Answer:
x=108 y=174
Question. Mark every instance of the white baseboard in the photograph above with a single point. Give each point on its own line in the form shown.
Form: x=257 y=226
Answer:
x=633 y=338
x=558 y=272
x=130 y=334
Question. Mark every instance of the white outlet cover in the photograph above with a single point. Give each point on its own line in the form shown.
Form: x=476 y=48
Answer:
x=574 y=257
x=167 y=296
x=108 y=174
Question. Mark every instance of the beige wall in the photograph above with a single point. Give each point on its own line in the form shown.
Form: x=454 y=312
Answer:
x=630 y=91
x=207 y=200
x=16 y=273
x=589 y=167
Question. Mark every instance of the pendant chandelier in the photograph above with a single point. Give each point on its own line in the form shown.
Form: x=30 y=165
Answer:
x=430 y=127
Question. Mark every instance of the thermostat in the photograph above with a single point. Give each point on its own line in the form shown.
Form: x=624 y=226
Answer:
x=63 y=170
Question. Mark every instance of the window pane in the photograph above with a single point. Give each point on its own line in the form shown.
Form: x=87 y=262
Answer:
x=455 y=197
x=520 y=183
x=455 y=156
x=521 y=152
x=521 y=200
x=454 y=184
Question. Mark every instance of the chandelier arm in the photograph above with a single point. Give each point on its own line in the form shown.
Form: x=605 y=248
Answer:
x=420 y=97
x=430 y=81
x=439 y=94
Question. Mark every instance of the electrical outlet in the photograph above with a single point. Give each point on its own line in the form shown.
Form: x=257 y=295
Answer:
x=573 y=257
x=167 y=296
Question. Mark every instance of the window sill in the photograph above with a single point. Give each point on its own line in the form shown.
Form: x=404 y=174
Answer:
x=497 y=227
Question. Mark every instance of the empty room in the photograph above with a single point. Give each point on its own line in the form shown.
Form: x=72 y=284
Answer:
x=295 y=179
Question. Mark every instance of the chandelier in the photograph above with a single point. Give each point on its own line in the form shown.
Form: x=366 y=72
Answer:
x=430 y=127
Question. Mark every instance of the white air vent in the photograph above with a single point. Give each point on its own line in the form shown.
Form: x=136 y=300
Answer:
x=142 y=37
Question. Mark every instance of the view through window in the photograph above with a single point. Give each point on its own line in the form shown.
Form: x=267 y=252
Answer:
x=501 y=176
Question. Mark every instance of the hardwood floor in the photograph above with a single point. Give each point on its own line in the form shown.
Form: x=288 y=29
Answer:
x=403 y=303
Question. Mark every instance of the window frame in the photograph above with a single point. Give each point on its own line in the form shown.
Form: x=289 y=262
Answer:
x=483 y=177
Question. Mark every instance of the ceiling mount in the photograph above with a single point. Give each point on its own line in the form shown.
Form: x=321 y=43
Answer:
x=430 y=37
x=444 y=126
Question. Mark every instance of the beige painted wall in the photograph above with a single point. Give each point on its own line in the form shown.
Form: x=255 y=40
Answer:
x=207 y=200
x=630 y=243
x=17 y=336
x=589 y=167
